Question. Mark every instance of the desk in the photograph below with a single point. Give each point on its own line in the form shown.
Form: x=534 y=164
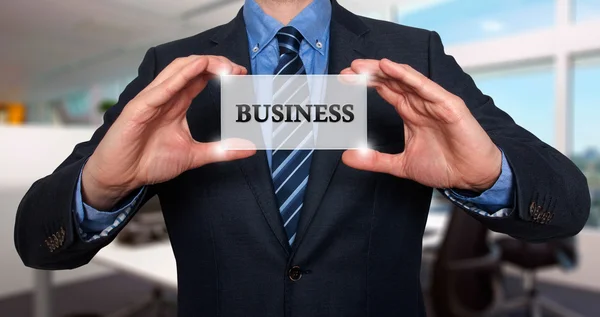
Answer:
x=434 y=230
x=156 y=263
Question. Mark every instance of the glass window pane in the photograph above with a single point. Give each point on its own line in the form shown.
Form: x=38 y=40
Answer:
x=471 y=20
x=587 y=10
x=586 y=134
x=527 y=95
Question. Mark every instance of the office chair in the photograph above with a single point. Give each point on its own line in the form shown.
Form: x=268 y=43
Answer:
x=146 y=227
x=530 y=258
x=467 y=278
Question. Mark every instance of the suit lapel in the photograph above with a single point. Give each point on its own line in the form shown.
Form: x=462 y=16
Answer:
x=345 y=45
x=232 y=42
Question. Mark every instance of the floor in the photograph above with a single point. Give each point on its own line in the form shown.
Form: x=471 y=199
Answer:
x=101 y=297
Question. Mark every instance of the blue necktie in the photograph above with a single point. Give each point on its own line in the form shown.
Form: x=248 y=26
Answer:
x=290 y=166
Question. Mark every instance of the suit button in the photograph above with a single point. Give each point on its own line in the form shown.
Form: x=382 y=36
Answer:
x=295 y=273
x=534 y=209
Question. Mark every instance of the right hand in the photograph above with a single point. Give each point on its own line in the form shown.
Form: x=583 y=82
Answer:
x=150 y=141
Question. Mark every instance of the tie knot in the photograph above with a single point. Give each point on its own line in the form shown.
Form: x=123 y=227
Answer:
x=289 y=40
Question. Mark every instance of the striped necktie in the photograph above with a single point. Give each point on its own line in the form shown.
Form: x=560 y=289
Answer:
x=290 y=165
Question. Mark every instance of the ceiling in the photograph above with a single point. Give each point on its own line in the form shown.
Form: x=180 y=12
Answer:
x=51 y=46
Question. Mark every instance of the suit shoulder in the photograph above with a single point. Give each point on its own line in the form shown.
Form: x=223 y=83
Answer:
x=193 y=45
x=380 y=27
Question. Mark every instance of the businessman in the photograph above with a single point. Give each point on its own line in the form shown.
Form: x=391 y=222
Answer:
x=343 y=235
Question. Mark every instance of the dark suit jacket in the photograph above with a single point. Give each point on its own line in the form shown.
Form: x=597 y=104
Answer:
x=358 y=244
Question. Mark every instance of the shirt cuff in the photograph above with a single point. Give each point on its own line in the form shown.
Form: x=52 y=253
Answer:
x=499 y=197
x=95 y=223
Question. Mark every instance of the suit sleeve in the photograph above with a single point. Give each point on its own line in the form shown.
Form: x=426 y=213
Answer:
x=46 y=230
x=552 y=198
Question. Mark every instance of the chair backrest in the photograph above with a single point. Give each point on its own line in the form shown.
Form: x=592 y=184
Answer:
x=465 y=238
x=566 y=252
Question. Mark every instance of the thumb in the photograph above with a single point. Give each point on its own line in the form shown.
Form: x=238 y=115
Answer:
x=223 y=151
x=374 y=161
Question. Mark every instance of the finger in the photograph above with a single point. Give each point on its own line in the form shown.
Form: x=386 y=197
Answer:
x=348 y=77
x=376 y=76
x=367 y=66
x=422 y=85
x=398 y=100
x=176 y=66
x=173 y=85
x=218 y=65
x=233 y=69
x=374 y=161
x=227 y=150
x=194 y=88
x=347 y=71
x=179 y=63
x=390 y=95
x=239 y=70
x=236 y=69
x=198 y=84
x=237 y=66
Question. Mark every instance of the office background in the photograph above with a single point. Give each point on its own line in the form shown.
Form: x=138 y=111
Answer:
x=61 y=61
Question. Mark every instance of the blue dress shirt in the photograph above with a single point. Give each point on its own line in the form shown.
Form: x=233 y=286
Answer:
x=313 y=22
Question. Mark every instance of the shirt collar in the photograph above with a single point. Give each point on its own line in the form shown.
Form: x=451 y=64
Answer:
x=313 y=23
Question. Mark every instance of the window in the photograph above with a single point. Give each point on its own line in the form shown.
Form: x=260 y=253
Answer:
x=527 y=95
x=587 y=10
x=586 y=134
x=473 y=20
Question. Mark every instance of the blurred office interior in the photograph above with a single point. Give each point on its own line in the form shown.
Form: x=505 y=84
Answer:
x=64 y=62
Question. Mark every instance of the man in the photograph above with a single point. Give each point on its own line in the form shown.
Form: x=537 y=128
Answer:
x=352 y=245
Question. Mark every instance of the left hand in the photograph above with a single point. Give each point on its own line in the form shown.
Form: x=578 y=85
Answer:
x=445 y=146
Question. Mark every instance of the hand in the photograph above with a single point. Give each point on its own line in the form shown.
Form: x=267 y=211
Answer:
x=150 y=141
x=445 y=147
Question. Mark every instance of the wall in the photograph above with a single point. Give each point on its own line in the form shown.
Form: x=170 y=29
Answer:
x=27 y=154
